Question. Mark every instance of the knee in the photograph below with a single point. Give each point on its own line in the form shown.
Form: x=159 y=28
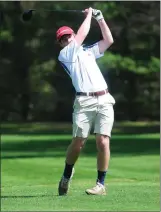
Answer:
x=77 y=144
x=102 y=142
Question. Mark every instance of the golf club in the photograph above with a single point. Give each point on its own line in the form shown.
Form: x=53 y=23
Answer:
x=27 y=15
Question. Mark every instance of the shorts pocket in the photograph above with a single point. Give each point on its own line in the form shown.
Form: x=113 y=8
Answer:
x=77 y=103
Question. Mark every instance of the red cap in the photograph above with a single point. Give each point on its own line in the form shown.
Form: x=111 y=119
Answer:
x=65 y=30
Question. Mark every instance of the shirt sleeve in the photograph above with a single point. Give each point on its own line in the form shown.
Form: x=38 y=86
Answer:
x=70 y=52
x=95 y=50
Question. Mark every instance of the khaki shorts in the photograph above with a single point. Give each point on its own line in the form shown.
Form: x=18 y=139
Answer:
x=89 y=111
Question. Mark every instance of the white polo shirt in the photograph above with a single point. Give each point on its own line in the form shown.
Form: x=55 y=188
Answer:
x=80 y=64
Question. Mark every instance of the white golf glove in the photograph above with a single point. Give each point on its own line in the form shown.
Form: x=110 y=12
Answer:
x=97 y=14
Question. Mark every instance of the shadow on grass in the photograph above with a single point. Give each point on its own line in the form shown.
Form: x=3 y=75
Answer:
x=57 y=148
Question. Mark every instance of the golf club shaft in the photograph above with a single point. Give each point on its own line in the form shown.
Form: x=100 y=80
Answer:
x=55 y=10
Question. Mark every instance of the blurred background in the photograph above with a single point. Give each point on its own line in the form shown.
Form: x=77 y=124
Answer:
x=34 y=86
x=36 y=105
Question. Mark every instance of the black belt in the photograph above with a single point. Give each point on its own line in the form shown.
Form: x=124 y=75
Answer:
x=98 y=93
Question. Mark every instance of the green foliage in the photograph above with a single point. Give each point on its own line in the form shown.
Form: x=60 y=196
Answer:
x=6 y=35
x=154 y=64
x=29 y=67
x=112 y=61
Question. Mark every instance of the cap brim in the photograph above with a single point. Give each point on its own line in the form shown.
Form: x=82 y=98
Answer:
x=69 y=33
x=65 y=32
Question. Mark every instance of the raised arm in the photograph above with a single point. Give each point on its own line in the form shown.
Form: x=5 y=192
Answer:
x=84 y=28
x=107 y=40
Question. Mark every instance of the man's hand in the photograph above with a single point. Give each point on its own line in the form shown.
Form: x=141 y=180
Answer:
x=88 y=11
x=97 y=14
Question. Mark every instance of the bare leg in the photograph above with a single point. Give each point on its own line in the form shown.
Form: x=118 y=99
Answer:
x=74 y=150
x=103 y=156
x=72 y=155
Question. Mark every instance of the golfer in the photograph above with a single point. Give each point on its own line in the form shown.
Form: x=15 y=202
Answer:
x=93 y=103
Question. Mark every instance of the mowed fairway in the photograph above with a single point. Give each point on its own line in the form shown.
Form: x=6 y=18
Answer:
x=32 y=166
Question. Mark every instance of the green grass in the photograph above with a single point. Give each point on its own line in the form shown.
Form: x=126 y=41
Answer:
x=125 y=127
x=31 y=184
x=32 y=164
